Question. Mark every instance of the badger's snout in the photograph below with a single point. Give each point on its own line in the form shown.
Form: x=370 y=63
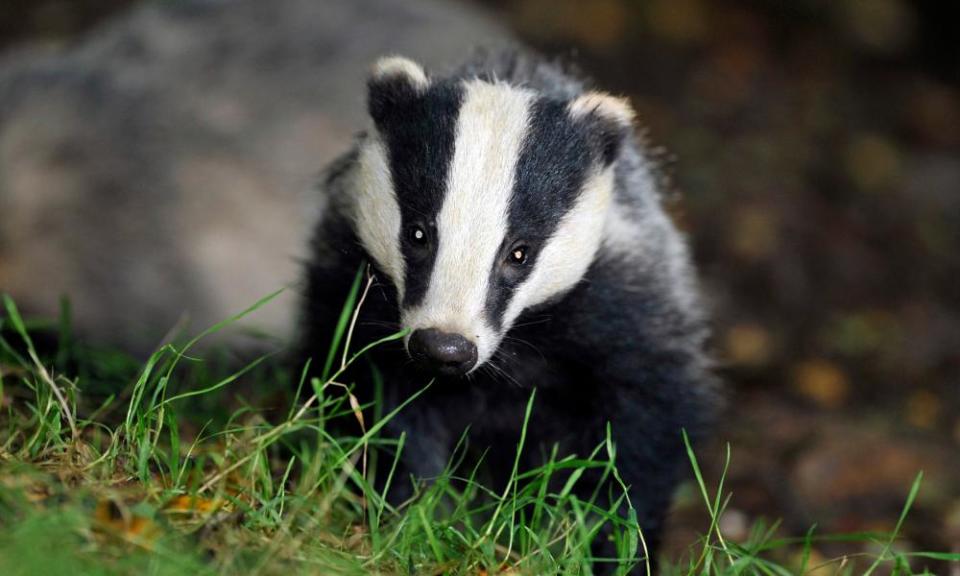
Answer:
x=442 y=352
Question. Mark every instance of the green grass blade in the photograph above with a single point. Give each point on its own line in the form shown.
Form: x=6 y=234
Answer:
x=342 y=322
x=914 y=490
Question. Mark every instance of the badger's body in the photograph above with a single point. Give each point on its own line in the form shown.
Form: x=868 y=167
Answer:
x=515 y=228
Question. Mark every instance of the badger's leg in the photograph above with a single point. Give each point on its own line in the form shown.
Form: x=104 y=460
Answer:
x=648 y=398
x=638 y=349
x=647 y=413
x=427 y=450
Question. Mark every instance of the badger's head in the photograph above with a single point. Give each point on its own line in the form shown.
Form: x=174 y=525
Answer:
x=480 y=200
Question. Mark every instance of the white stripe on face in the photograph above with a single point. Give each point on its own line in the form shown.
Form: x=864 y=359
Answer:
x=376 y=213
x=571 y=248
x=473 y=220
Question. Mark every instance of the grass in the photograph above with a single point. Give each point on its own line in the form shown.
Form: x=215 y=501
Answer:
x=165 y=468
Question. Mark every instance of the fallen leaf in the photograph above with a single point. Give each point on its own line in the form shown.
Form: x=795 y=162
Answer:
x=37 y=493
x=191 y=504
x=873 y=162
x=748 y=344
x=923 y=409
x=123 y=522
x=822 y=381
x=755 y=232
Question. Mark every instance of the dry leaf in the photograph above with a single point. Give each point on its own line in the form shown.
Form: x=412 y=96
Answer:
x=873 y=162
x=822 y=381
x=355 y=404
x=748 y=344
x=189 y=504
x=755 y=232
x=121 y=521
x=923 y=409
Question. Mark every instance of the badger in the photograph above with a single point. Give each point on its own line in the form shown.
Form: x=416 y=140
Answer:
x=516 y=230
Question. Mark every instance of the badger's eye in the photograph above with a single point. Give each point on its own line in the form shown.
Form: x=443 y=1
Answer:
x=518 y=255
x=417 y=236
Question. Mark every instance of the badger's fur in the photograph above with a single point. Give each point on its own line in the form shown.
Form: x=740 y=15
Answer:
x=516 y=230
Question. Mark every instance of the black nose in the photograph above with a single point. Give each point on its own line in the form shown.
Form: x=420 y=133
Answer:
x=443 y=353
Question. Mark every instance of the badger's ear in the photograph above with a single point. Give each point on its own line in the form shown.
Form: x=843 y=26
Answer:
x=393 y=81
x=608 y=118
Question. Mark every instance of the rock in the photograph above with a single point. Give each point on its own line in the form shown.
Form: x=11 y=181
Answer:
x=162 y=168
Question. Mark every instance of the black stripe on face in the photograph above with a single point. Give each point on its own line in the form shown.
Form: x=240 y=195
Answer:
x=419 y=135
x=556 y=157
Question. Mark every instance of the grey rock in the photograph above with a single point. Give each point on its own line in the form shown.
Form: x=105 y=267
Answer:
x=162 y=169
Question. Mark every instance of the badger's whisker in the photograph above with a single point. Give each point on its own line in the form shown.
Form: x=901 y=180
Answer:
x=543 y=319
x=500 y=371
x=526 y=343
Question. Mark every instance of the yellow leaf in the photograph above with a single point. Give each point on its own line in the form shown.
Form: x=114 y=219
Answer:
x=355 y=404
x=192 y=504
x=121 y=521
x=748 y=344
x=755 y=232
x=923 y=409
x=873 y=162
x=822 y=381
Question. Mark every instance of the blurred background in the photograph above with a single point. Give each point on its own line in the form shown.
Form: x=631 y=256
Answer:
x=813 y=147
